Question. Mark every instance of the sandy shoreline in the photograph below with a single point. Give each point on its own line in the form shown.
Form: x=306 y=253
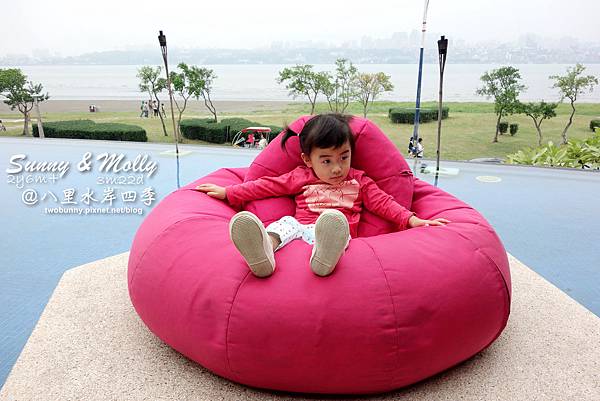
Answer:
x=74 y=106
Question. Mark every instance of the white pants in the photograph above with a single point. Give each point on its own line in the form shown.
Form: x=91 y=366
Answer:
x=288 y=229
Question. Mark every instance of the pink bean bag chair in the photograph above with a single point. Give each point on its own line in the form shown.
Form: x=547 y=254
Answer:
x=400 y=306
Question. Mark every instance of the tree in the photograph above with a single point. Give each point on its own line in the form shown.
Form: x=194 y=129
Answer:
x=151 y=83
x=301 y=80
x=570 y=86
x=19 y=93
x=183 y=85
x=345 y=82
x=538 y=113
x=504 y=86
x=201 y=84
x=326 y=83
x=369 y=86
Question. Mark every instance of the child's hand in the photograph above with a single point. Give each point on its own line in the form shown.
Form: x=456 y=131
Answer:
x=414 y=221
x=212 y=190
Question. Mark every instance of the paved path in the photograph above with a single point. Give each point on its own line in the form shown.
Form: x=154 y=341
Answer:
x=90 y=345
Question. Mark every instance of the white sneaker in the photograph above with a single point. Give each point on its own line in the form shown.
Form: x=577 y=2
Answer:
x=250 y=238
x=331 y=238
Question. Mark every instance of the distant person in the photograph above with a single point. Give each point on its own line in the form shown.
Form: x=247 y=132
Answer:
x=145 y=109
x=155 y=108
x=419 y=149
x=263 y=142
x=250 y=140
x=142 y=109
x=162 y=108
x=411 y=146
x=2 y=127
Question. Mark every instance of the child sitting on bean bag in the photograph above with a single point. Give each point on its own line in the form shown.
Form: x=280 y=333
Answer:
x=329 y=197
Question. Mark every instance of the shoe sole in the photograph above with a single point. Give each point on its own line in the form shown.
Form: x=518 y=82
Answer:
x=331 y=237
x=252 y=241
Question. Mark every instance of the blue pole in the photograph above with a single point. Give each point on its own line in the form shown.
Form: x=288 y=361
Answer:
x=415 y=136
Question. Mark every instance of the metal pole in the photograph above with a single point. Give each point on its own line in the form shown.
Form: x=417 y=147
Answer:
x=39 y=118
x=415 y=135
x=442 y=51
x=162 y=39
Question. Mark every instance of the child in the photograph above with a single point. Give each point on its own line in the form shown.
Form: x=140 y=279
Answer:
x=329 y=197
x=419 y=149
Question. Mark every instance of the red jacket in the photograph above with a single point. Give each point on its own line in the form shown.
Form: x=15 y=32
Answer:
x=312 y=196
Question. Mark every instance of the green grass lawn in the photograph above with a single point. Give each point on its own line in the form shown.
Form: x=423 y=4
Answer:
x=466 y=134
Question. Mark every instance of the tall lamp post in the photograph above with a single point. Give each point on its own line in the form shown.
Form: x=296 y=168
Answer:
x=162 y=40
x=442 y=51
x=415 y=136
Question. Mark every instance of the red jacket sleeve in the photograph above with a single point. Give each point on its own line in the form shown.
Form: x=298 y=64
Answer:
x=382 y=204
x=266 y=187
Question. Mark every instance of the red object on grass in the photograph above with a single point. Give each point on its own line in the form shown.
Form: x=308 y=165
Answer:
x=400 y=306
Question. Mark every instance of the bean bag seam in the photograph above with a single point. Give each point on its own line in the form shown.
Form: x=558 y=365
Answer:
x=397 y=174
x=265 y=167
x=228 y=320
x=506 y=298
x=479 y=249
x=499 y=272
x=391 y=300
x=168 y=228
x=361 y=131
x=504 y=322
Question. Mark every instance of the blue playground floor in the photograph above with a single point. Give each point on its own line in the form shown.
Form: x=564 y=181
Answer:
x=546 y=217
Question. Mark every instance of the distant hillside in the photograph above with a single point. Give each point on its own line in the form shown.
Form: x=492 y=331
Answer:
x=502 y=53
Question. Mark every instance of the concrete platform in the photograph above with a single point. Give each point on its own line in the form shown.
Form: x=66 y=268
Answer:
x=90 y=345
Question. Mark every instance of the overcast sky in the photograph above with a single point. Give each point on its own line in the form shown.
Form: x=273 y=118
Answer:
x=72 y=27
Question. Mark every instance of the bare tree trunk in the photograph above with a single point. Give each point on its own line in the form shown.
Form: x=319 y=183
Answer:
x=151 y=111
x=180 y=110
x=26 y=124
x=346 y=103
x=209 y=104
x=313 y=102
x=366 y=103
x=497 y=128
x=162 y=121
x=330 y=104
x=564 y=133
x=538 y=127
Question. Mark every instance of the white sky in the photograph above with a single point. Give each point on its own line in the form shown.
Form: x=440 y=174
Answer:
x=71 y=27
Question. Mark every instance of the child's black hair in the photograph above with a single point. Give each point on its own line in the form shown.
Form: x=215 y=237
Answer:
x=330 y=130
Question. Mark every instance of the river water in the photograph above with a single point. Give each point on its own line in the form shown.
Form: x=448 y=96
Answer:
x=258 y=82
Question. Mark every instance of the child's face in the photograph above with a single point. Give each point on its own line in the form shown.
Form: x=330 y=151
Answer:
x=331 y=165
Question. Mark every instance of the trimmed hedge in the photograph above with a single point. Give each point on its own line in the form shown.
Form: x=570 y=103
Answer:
x=88 y=129
x=219 y=132
x=594 y=124
x=407 y=115
x=503 y=127
x=513 y=128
